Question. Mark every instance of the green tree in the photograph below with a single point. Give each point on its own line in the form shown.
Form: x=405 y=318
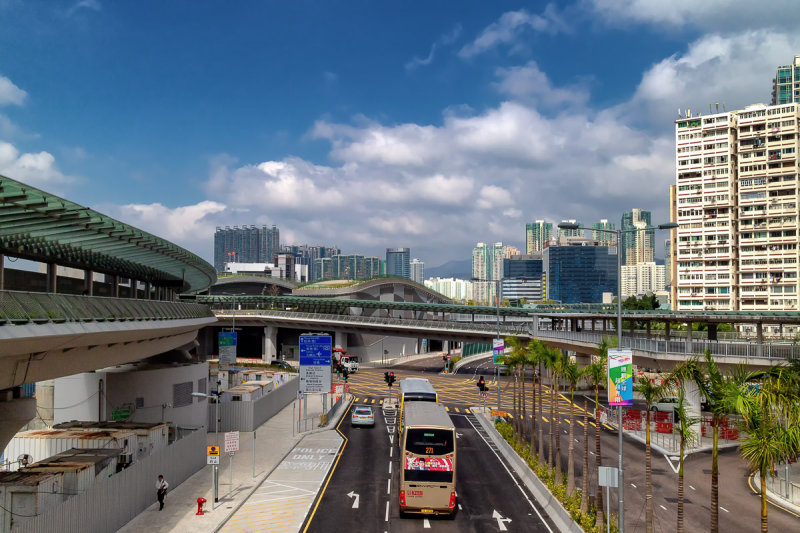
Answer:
x=572 y=373
x=551 y=358
x=650 y=393
x=533 y=360
x=596 y=372
x=688 y=436
x=515 y=360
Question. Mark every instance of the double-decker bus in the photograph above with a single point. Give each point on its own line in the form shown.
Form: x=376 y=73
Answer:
x=428 y=461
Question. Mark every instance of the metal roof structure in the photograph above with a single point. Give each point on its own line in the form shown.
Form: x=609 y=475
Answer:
x=42 y=227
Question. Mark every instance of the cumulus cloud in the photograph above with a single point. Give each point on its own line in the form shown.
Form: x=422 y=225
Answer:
x=510 y=26
x=36 y=169
x=709 y=14
x=528 y=82
x=83 y=5
x=10 y=94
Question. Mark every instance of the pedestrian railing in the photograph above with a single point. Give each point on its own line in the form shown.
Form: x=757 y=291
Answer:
x=782 y=487
x=17 y=307
x=320 y=420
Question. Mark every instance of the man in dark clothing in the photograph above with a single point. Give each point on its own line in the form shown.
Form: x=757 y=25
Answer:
x=161 y=488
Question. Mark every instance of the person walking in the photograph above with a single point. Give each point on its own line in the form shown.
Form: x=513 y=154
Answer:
x=161 y=488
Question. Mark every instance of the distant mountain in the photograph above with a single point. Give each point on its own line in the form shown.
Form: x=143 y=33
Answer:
x=451 y=269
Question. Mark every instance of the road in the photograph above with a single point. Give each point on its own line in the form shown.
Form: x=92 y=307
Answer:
x=739 y=506
x=362 y=493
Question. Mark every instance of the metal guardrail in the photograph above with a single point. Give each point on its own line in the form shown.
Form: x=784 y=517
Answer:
x=17 y=307
x=521 y=328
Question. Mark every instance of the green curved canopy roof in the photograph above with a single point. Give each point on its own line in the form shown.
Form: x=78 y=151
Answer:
x=42 y=227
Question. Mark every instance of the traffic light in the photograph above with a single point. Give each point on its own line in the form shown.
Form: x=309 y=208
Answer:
x=444 y=358
x=345 y=373
x=391 y=378
x=481 y=384
x=386 y=377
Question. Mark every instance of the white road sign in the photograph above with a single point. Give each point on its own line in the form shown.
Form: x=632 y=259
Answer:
x=212 y=460
x=232 y=441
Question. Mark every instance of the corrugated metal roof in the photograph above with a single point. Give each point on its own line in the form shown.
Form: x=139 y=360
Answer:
x=42 y=227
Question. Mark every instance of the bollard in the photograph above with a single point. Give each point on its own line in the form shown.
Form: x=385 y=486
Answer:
x=200 y=502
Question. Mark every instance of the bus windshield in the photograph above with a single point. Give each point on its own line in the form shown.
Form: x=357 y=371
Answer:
x=429 y=441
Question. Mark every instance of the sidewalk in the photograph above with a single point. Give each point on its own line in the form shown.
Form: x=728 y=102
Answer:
x=274 y=442
x=776 y=487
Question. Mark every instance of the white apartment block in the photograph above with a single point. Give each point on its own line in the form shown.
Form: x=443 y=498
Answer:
x=459 y=290
x=642 y=278
x=736 y=204
x=417 y=269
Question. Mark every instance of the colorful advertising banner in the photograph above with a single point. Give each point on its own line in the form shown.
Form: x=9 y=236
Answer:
x=620 y=377
x=431 y=464
x=498 y=351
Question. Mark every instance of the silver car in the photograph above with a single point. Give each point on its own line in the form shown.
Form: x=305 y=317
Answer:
x=362 y=416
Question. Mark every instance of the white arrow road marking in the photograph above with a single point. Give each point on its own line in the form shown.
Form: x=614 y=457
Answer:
x=354 y=495
x=391 y=439
x=458 y=435
x=672 y=466
x=426 y=524
x=500 y=520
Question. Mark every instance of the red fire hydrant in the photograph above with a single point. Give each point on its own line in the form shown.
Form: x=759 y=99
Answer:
x=200 y=502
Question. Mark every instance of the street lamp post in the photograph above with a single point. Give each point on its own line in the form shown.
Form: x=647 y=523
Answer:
x=618 y=233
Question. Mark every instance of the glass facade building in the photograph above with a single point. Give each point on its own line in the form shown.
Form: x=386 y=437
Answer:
x=579 y=273
x=536 y=234
x=398 y=262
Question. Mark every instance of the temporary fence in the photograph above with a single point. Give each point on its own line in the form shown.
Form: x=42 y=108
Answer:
x=309 y=423
x=115 y=501
x=248 y=415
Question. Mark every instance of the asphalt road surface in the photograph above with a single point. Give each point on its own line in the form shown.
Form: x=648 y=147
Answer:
x=362 y=492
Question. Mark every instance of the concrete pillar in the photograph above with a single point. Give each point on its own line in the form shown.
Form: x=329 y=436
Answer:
x=535 y=325
x=270 y=344
x=115 y=285
x=760 y=339
x=134 y=289
x=14 y=413
x=693 y=400
x=446 y=346
x=666 y=329
x=148 y=287
x=689 y=337
x=52 y=278
x=88 y=282
x=648 y=330
x=2 y=272
x=340 y=340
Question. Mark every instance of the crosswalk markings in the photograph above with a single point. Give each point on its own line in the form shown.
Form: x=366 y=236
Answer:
x=457 y=411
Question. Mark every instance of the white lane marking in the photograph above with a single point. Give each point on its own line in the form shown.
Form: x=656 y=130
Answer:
x=391 y=451
x=500 y=520
x=426 y=524
x=390 y=468
x=511 y=476
x=355 y=497
x=389 y=486
x=386 y=518
x=459 y=506
x=632 y=485
x=674 y=467
x=663 y=507
x=692 y=487
x=724 y=509
x=592 y=453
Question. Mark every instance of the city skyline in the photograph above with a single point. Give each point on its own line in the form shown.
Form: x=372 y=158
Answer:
x=544 y=112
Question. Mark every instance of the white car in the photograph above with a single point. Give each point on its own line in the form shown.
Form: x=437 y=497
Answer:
x=666 y=404
x=362 y=416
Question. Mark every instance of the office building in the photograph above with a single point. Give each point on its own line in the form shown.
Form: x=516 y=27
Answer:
x=522 y=278
x=577 y=232
x=285 y=264
x=786 y=84
x=459 y=290
x=536 y=234
x=248 y=244
x=417 y=270
x=398 y=262
x=737 y=183
x=642 y=278
x=579 y=271
x=637 y=246
x=604 y=237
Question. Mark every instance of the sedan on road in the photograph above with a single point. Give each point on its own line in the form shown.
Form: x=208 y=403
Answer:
x=362 y=416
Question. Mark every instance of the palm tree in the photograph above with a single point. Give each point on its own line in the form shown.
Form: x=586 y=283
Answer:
x=558 y=368
x=511 y=361
x=551 y=357
x=596 y=372
x=533 y=360
x=515 y=360
x=573 y=374
x=687 y=436
x=585 y=476
x=650 y=393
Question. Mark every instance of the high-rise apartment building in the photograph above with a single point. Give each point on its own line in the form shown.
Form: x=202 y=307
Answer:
x=786 y=84
x=637 y=246
x=459 y=290
x=536 y=234
x=487 y=264
x=346 y=266
x=642 y=278
x=604 y=237
x=398 y=262
x=248 y=244
x=417 y=270
x=577 y=232
x=737 y=194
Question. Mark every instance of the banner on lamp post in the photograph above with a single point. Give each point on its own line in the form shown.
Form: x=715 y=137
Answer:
x=620 y=377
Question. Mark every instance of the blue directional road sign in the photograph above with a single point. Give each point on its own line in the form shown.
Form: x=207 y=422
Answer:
x=315 y=363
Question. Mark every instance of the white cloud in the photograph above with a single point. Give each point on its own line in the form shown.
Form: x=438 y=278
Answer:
x=528 y=82
x=10 y=94
x=36 y=169
x=91 y=5
x=509 y=27
x=189 y=226
x=445 y=40
x=710 y=14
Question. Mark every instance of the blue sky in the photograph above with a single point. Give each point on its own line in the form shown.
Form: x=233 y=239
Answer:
x=368 y=125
